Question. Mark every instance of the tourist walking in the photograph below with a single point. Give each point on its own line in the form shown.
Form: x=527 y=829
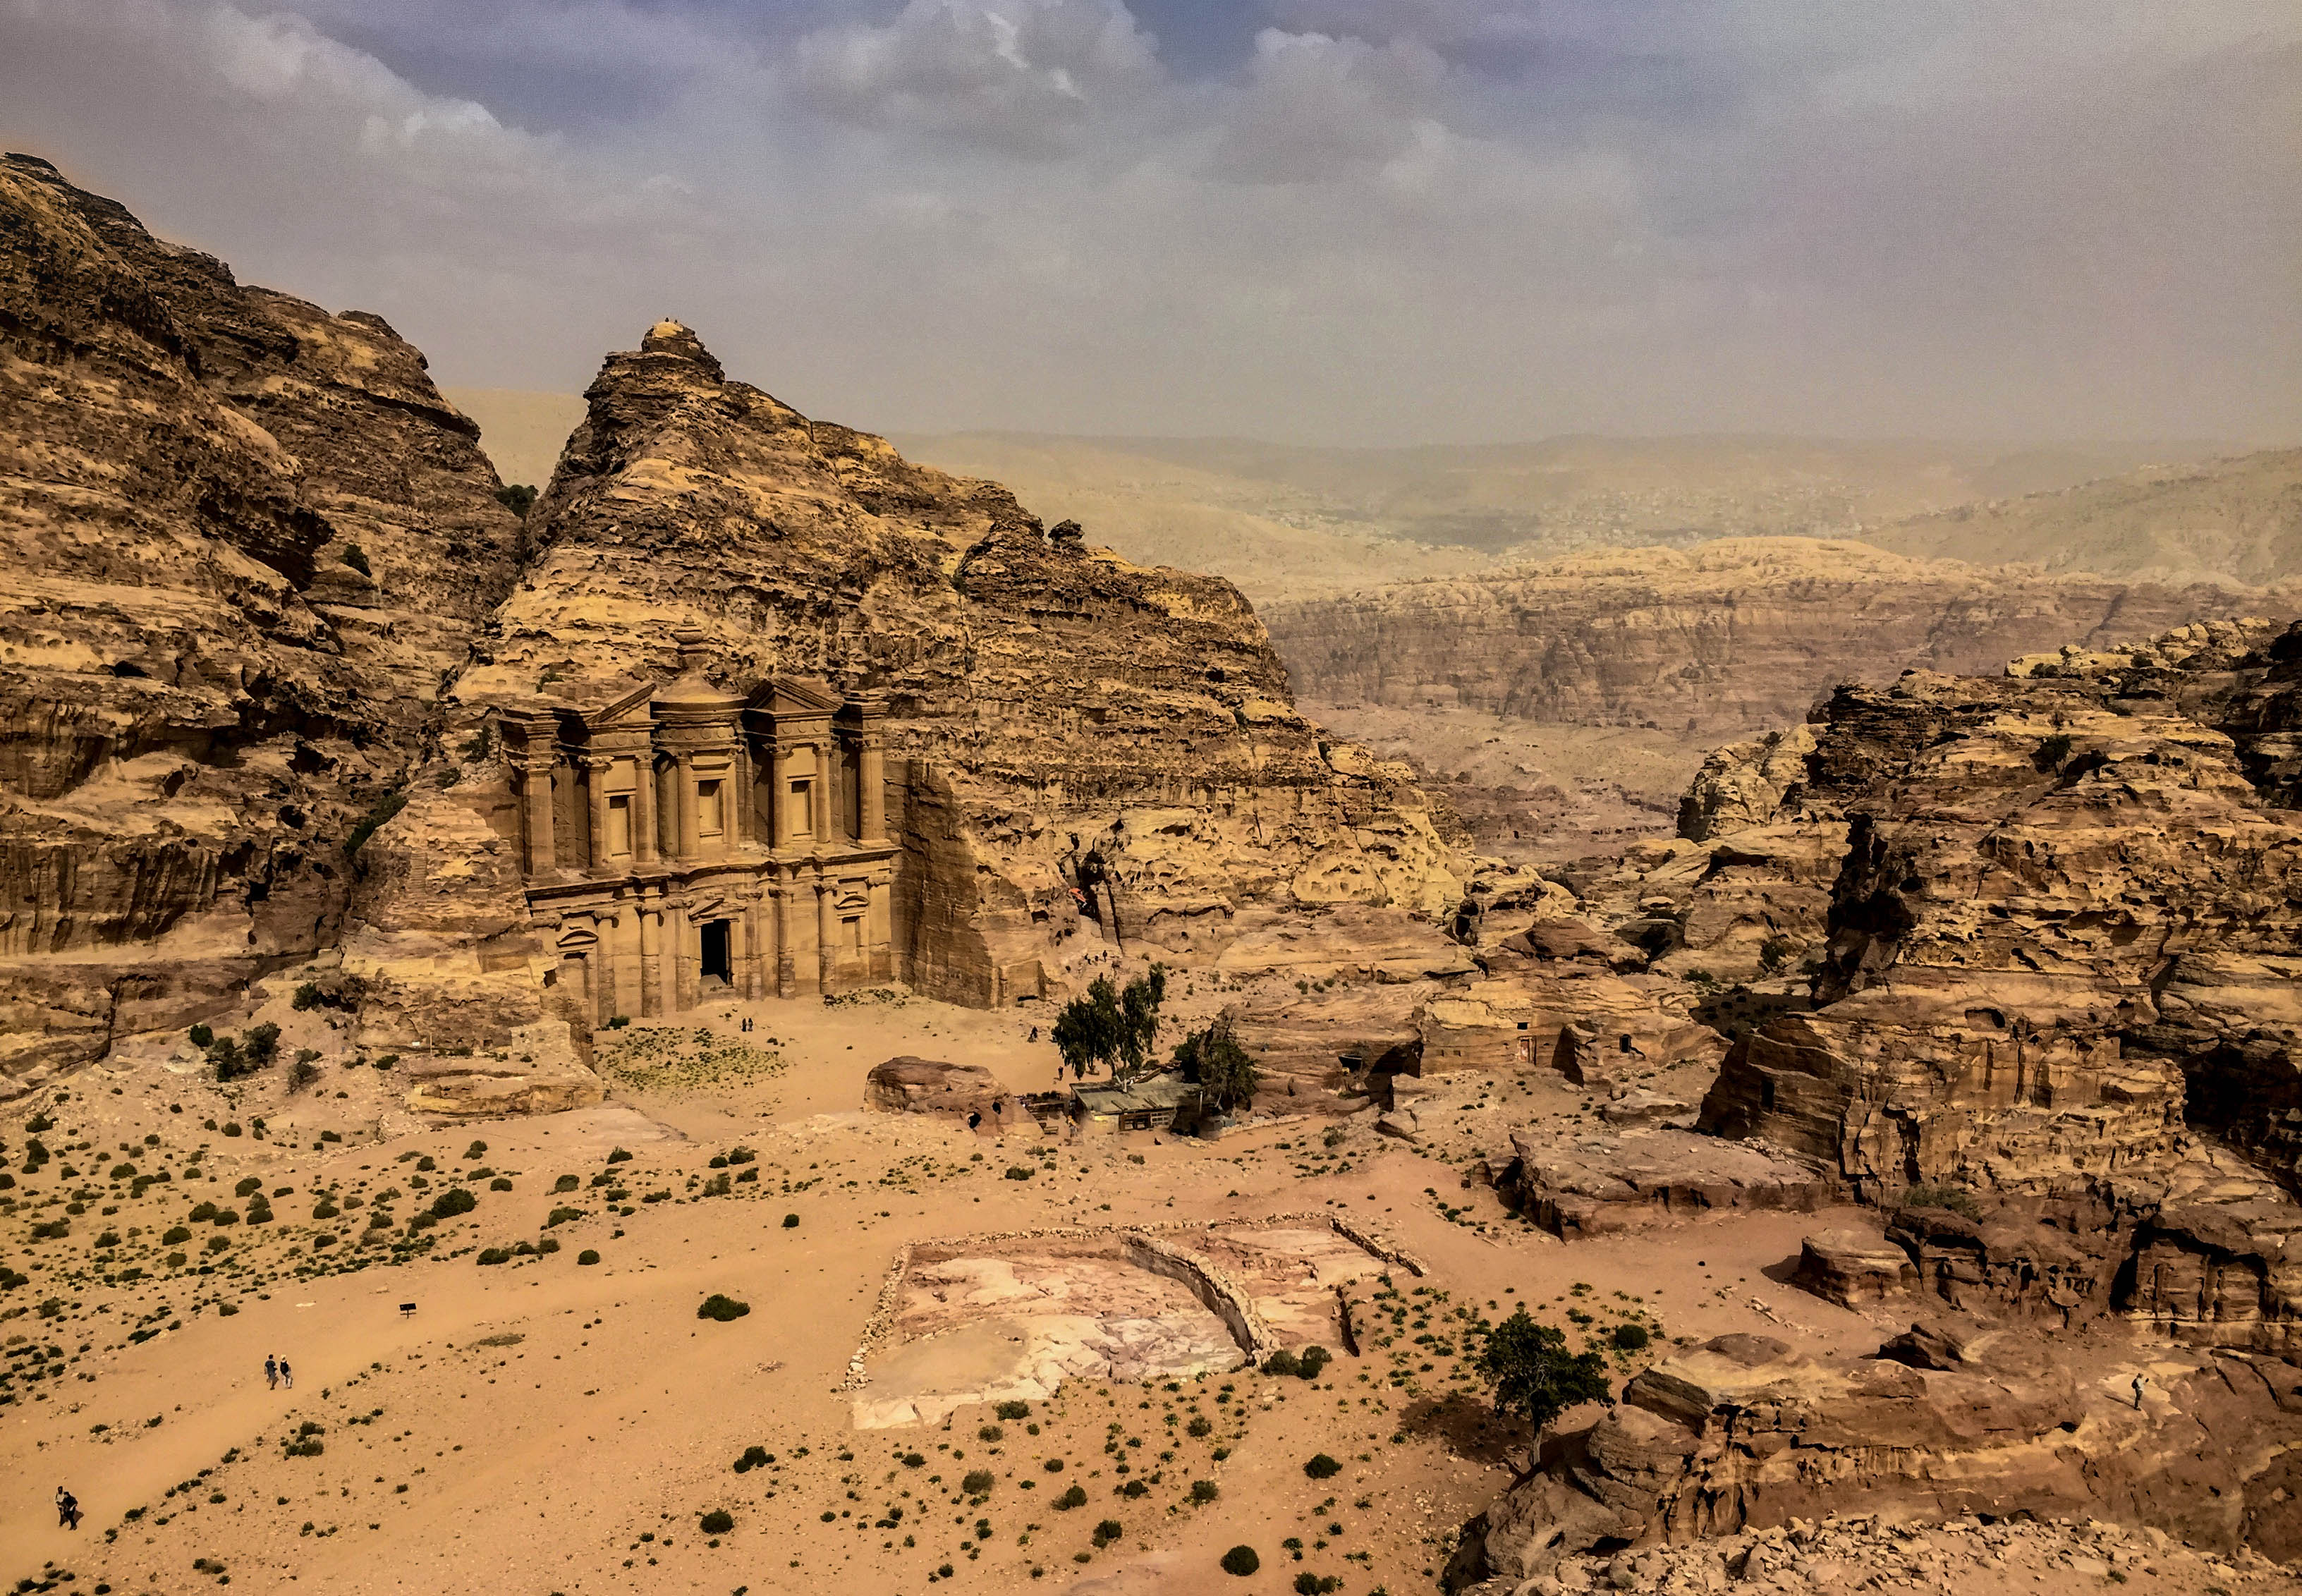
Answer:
x=67 y=1509
x=287 y=1375
x=271 y=1373
x=2141 y=1380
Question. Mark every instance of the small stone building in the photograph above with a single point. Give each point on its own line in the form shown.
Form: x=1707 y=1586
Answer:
x=681 y=842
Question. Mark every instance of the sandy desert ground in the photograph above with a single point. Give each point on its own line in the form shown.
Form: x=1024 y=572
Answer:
x=549 y=1424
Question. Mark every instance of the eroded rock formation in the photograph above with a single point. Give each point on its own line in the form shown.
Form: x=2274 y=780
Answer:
x=246 y=541
x=1736 y=634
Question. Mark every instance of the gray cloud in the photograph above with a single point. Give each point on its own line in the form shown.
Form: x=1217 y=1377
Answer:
x=1359 y=220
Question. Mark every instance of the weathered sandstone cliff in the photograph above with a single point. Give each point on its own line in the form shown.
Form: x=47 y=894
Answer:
x=1068 y=730
x=1738 y=633
x=246 y=543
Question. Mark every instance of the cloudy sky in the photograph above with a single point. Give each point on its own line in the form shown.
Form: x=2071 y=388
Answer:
x=1325 y=221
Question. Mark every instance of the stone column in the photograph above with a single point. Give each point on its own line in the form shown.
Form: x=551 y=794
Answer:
x=666 y=808
x=827 y=939
x=881 y=916
x=603 y=974
x=595 y=783
x=755 y=971
x=823 y=790
x=777 y=827
x=650 y=961
x=737 y=811
x=683 y=991
x=787 y=962
x=643 y=820
x=871 y=781
x=685 y=776
x=535 y=797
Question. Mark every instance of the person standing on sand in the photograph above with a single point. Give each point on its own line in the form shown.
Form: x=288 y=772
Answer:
x=2141 y=1380
x=67 y=1509
x=287 y=1375
x=271 y=1373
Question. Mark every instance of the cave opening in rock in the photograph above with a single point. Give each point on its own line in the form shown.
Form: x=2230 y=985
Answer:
x=718 y=965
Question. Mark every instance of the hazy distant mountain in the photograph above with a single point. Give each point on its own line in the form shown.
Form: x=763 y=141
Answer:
x=2238 y=519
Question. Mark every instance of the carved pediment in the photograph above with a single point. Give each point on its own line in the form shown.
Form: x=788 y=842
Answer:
x=798 y=698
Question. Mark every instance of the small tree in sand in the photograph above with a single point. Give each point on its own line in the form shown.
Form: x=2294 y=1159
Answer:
x=1213 y=1058
x=1112 y=1027
x=1534 y=1375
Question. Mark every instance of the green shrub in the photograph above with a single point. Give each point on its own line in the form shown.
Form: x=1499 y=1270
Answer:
x=722 y=1309
x=1315 y=1360
x=199 y=1035
x=1283 y=1362
x=387 y=806
x=1053 y=1465
x=453 y=1201
x=1016 y=1171
x=1204 y=1491
x=1241 y=1560
x=1629 y=1338
x=1014 y=1407
x=1957 y=1199
x=560 y=1217
x=2052 y=752
x=308 y=996
x=914 y=1460
x=990 y=1433
x=244 y=1188
x=588 y=1255
x=718 y=1522
x=495 y=1254
x=791 y=1221
x=1323 y=1467
x=499 y=1184
x=478 y=1149
x=1201 y=1425
x=752 y=1457
x=1108 y=1531
x=619 y=1156
x=1307 y=1583
x=516 y=498
x=177 y=1236
x=978 y=1483
x=548 y=1246
x=355 y=557
x=1073 y=1497
x=566 y=1183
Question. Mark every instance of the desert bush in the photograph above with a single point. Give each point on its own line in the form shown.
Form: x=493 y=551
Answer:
x=1315 y=1360
x=1283 y=1362
x=1629 y=1338
x=1241 y=1560
x=1323 y=1467
x=1201 y=1425
x=453 y=1201
x=1307 y=1583
x=1108 y=1531
x=791 y=1221
x=2052 y=751
x=1204 y=1491
x=177 y=1236
x=199 y=1035
x=589 y=1255
x=478 y=1149
x=566 y=1183
x=1016 y=1171
x=494 y=1254
x=357 y=558
x=1957 y=1199
x=499 y=1184
x=251 y=1184
x=1073 y=1497
x=752 y=1457
x=722 y=1309
x=308 y=996
x=560 y=1217
x=990 y=1433
x=978 y=1483
x=1014 y=1407
x=718 y=1522
x=1053 y=1465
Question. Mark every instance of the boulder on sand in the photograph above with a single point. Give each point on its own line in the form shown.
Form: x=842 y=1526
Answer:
x=910 y=1084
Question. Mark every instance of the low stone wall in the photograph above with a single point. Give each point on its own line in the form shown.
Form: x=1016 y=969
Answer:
x=1141 y=1245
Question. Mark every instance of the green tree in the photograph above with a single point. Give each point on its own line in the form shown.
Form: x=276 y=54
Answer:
x=1139 y=1021
x=1213 y=1058
x=1534 y=1375
x=1112 y=1027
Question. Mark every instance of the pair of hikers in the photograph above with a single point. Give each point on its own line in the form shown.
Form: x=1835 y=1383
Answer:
x=277 y=1373
x=67 y=1509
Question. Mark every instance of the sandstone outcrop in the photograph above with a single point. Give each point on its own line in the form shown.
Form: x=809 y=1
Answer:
x=1850 y=1268
x=1071 y=741
x=1577 y=1185
x=246 y=541
x=910 y=1084
x=1744 y=1433
x=281 y=675
x=1732 y=635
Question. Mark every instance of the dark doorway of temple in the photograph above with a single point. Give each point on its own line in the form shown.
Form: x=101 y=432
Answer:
x=716 y=961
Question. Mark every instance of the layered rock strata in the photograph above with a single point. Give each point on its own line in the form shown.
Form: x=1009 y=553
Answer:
x=1730 y=636
x=1070 y=742
x=1743 y=1433
x=246 y=540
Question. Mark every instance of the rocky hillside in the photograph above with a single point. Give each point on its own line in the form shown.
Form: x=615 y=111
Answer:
x=2236 y=519
x=1735 y=633
x=262 y=601
x=246 y=543
x=1050 y=701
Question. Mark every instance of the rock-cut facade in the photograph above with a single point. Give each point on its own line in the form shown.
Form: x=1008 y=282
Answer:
x=683 y=842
